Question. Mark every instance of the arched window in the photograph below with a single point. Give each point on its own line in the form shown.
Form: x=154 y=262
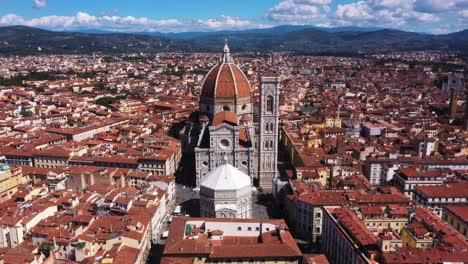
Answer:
x=271 y=127
x=269 y=103
x=271 y=144
x=226 y=108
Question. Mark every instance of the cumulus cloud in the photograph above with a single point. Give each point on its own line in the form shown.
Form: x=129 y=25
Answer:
x=386 y=13
x=383 y=13
x=299 y=11
x=84 y=20
x=39 y=3
x=354 y=12
x=223 y=22
x=406 y=4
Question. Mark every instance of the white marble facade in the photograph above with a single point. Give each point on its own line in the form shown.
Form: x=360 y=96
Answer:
x=226 y=192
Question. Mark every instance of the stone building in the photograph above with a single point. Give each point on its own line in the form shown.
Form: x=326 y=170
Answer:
x=225 y=126
x=226 y=192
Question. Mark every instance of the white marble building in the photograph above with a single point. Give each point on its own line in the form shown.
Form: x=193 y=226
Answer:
x=225 y=125
x=226 y=192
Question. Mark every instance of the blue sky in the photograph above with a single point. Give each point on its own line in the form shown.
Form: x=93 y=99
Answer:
x=434 y=16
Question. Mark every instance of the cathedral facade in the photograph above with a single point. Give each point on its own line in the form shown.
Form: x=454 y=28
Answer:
x=226 y=128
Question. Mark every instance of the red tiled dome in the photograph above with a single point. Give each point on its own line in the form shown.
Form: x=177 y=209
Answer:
x=225 y=80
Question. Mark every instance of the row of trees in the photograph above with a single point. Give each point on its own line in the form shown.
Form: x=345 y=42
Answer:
x=32 y=76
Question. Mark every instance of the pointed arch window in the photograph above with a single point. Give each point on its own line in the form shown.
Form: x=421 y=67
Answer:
x=269 y=103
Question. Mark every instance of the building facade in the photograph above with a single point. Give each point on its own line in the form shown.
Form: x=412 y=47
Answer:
x=226 y=193
x=10 y=179
x=225 y=125
x=210 y=240
x=435 y=197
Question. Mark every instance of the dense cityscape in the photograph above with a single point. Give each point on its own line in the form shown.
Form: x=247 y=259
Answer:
x=220 y=132
x=105 y=158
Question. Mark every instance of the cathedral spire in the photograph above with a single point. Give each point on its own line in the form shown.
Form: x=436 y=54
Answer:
x=226 y=53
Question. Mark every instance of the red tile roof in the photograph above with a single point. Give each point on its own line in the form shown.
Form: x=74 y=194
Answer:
x=275 y=243
x=451 y=190
x=225 y=117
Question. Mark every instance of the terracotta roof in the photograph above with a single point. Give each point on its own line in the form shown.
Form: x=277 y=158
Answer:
x=275 y=243
x=451 y=190
x=225 y=117
x=417 y=255
x=356 y=228
x=225 y=81
x=315 y=259
x=460 y=211
x=246 y=117
x=415 y=172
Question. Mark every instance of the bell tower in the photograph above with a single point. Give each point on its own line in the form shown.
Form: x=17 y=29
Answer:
x=268 y=128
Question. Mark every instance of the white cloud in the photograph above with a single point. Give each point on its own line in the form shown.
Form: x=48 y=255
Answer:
x=129 y=23
x=225 y=21
x=406 y=4
x=299 y=11
x=354 y=11
x=39 y=3
x=11 y=19
x=386 y=13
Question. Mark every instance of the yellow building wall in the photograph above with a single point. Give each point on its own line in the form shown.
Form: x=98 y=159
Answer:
x=9 y=182
x=409 y=241
x=396 y=224
x=333 y=122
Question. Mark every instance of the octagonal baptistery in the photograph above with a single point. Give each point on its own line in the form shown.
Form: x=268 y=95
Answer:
x=226 y=192
x=226 y=87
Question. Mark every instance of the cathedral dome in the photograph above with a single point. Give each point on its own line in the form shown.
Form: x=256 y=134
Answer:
x=225 y=80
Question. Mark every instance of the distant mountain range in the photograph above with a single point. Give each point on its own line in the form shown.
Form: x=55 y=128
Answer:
x=278 y=30
x=299 y=39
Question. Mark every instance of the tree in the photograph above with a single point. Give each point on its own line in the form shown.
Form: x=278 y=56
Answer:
x=99 y=86
x=25 y=113
x=106 y=101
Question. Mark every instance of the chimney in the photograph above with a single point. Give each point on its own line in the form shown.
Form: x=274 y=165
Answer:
x=260 y=238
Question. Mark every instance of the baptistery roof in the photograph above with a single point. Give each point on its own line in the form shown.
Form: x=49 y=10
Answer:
x=226 y=178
